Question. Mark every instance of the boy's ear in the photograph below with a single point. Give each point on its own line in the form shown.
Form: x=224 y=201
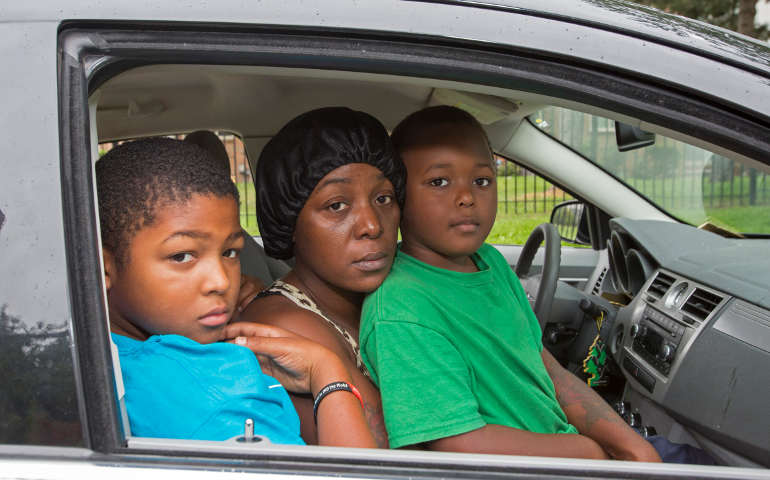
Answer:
x=109 y=268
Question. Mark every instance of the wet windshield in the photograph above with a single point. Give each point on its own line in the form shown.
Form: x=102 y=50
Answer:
x=689 y=183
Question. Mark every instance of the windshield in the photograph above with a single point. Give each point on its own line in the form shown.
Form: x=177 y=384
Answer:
x=687 y=182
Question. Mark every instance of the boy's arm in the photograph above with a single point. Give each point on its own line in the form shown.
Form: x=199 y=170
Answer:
x=586 y=410
x=594 y=418
x=428 y=399
x=499 y=439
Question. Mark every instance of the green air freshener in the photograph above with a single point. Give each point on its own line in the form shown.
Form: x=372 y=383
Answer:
x=595 y=363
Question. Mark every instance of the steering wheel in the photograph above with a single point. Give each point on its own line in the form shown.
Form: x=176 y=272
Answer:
x=544 y=284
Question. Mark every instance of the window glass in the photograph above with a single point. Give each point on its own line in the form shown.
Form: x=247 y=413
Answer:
x=690 y=183
x=241 y=174
x=524 y=201
x=38 y=400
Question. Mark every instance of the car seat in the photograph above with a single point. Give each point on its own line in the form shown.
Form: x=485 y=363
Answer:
x=256 y=263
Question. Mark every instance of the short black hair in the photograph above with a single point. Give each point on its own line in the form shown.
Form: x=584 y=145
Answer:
x=134 y=179
x=428 y=127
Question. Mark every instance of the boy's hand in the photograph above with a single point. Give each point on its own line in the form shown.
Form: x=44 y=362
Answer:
x=634 y=450
x=594 y=418
x=299 y=364
x=250 y=287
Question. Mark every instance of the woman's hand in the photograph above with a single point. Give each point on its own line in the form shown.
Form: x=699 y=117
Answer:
x=250 y=287
x=299 y=364
x=302 y=366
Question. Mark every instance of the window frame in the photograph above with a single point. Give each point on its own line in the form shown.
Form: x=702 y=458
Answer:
x=91 y=53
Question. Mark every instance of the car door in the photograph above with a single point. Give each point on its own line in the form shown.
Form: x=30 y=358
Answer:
x=328 y=53
x=476 y=47
x=39 y=400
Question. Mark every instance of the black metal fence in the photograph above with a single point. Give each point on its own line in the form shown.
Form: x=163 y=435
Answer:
x=240 y=172
x=681 y=185
x=521 y=190
x=673 y=174
x=723 y=183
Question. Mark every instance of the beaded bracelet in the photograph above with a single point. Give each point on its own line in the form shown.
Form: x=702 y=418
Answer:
x=334 y=387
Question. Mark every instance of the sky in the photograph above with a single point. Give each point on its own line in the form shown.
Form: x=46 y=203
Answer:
x=763 y=12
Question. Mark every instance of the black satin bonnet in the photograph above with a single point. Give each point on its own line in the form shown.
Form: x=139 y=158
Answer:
x=304 y=151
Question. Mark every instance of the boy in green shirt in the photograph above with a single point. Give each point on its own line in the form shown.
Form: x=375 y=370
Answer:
x=450 y=338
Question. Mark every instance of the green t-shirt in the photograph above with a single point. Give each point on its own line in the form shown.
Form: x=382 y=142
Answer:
x=452 y=352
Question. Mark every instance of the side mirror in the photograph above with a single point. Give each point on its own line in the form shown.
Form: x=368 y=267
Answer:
x=629 y=137
x=571 y=222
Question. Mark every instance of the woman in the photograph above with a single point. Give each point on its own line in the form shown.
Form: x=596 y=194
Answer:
x=329 y=188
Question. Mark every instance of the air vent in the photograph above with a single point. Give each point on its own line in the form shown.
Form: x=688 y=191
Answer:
x=599 y=280
x=660 y=285
x=701 y=303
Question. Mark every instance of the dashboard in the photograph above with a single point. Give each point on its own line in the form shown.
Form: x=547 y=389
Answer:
x=693 y=340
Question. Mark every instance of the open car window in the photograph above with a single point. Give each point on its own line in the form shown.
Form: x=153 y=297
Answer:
x=273 y=78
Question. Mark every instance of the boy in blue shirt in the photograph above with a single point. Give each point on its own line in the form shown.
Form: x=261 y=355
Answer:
x=171 y=240
x=450 y=338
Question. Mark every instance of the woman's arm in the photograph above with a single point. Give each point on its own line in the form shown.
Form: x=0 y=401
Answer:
x=499 y=439
x=303 y=366
x=308 y=325
x=594 y=418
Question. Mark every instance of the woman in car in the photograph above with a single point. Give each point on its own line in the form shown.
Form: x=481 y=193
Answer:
x=329 y=188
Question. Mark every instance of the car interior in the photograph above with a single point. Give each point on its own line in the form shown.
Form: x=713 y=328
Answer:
x=683 y=311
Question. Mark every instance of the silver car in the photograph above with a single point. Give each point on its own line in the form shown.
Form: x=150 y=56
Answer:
x=653 y=130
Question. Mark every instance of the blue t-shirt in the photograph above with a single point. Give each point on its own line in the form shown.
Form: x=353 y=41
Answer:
x=177 y=388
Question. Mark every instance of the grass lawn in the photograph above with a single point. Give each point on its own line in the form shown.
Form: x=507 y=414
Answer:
x=250 y=224
x=746 y=219
x=755 y=218
x=248 y=208
x=514 y=228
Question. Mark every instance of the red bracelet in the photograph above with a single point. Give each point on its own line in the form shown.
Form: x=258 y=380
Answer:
x=334 y=387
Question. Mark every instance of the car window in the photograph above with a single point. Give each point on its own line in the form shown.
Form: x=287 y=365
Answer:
x=690 y=183
x=524 y=201
x=241 y=174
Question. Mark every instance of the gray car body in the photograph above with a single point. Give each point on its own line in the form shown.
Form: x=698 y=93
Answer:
x=39 y=276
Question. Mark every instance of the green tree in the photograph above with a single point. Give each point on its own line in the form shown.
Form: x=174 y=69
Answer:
x=37 y=394
x=737 y=15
